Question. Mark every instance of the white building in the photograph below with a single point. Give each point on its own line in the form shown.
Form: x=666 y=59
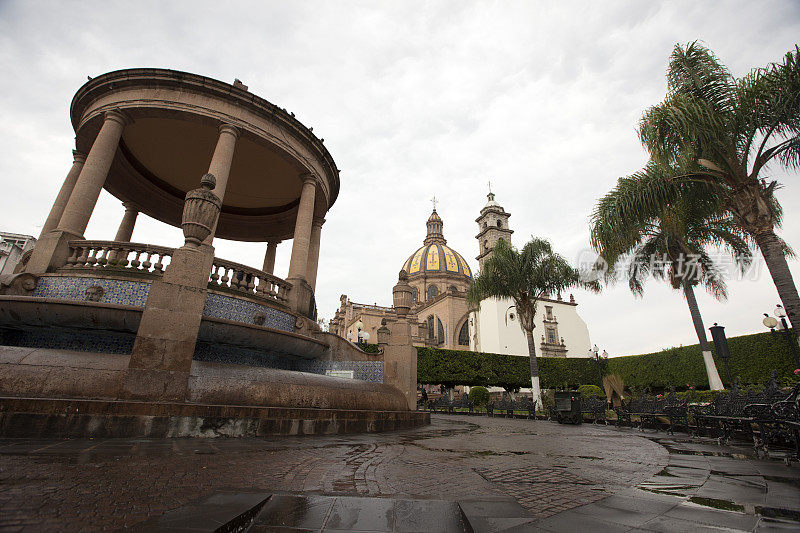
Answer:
x=12 y=248
x=495 y=328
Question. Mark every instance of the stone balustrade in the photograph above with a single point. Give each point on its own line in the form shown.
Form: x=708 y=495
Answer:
x=248 y=280
x=128 y=256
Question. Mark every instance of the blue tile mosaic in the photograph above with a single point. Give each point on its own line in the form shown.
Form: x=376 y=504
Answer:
x=362 y=370
x=231 y=308
x=90 y=341
x=235 y=355
x=116 y=291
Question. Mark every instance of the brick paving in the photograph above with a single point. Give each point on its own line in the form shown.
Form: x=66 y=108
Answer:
x=85 y=485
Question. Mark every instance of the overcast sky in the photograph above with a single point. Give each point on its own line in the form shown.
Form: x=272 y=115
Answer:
x=414 y=99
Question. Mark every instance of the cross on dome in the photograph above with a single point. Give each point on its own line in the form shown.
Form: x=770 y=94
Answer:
x=434 y=201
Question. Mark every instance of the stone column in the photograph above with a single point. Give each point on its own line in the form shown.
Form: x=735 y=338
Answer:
x=161 y=359
x=78 y=159
x=125 y=230
x=221 y=162
x=269 y=258
x=87 y=189
x=313 y=253
x=52 y=250
x=301 y=243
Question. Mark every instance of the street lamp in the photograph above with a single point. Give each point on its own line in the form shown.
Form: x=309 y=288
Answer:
x=771 y=323
x=600 y=359
x=359 y=326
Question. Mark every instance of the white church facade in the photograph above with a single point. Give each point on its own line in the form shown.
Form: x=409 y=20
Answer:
x=495 y=327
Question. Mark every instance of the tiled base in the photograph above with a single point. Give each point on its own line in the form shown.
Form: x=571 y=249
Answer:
x=122 y=343
x=68 y=418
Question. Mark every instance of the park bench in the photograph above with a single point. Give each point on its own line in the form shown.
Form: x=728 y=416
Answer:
x=594 y=407
x=464 y=403
x=649 y=409
x=443 y=404
x=778 y=421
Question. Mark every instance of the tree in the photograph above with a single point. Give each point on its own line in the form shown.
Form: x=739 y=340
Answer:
x=668 y=242
x=526 y=277
x=723 y=132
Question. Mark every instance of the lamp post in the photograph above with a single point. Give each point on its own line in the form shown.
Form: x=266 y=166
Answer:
x=771 y=323
x=600 y=359
x=721 y=347
x=359 y=326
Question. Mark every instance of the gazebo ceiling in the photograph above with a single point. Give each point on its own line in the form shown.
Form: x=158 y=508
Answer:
x=175 y=153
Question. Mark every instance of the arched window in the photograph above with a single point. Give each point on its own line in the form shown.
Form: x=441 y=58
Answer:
x=414 y=294
x=485 y=225
x=453 y=288
x=440 y=332
x=433 y=292
x=499 y=224
x=486 y=244
x=463 y=334
x=430 y=328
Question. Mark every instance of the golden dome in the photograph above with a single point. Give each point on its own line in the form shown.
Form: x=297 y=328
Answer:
x=435 y=257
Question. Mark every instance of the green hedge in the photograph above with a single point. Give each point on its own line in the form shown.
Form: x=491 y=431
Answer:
x=752 y=358
x=460 y=367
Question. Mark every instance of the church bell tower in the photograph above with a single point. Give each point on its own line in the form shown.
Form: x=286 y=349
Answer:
x=492 y=225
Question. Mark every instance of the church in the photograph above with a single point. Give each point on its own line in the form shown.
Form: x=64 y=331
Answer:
x=439 y=278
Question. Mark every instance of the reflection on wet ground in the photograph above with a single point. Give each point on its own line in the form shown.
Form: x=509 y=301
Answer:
x=461 y=473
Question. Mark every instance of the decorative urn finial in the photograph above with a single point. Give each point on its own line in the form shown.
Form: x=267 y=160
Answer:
x=200 y=211
x=401 y=294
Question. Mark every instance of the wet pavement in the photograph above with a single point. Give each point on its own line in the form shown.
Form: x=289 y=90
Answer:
x=458 y=474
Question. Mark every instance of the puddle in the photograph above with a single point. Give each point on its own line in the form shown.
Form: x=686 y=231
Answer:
x=723 y=505
x=665 y=473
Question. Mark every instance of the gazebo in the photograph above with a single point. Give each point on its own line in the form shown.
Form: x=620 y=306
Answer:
x=217 y=161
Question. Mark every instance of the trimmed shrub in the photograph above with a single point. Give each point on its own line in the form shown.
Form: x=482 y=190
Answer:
x=461 y=367
x=586 y=391
x=752 y=359
x=369 y=348
x=479 y=395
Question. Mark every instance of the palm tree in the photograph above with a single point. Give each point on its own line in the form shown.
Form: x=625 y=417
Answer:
x=668 y=243
x=723 y=132
x=526 y=277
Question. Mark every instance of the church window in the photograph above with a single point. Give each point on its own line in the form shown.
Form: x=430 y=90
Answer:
x=551 y=336
x=463 y=334
x=485 y=225
x=511 y=316
x=548 y=309
x=440 y=332
x=499 y=224
x=486 y=245
x=453 y=288
x=430 y=327
x=433 y=292
x=414 y=294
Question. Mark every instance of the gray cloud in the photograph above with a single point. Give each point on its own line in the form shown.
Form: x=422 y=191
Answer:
x=413 y=99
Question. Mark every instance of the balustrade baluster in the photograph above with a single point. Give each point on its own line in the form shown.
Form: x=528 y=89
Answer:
x=158 y=267
x=135 y=261
x=225 y=277
x=146 y=264
x=251 y=278
x=73 y=258
x=214 y=275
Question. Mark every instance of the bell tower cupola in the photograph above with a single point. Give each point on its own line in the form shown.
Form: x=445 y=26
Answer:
x=492 y=225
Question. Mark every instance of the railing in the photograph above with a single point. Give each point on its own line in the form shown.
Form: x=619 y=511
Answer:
x=248 y=280
x=127 y=256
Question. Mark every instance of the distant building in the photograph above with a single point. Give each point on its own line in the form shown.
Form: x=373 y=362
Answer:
x=13 y=247
x=439 y=278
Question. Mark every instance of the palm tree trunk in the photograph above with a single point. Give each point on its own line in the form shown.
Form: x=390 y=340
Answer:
x=775 y=257
x=536 y=390
x=714 y=382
